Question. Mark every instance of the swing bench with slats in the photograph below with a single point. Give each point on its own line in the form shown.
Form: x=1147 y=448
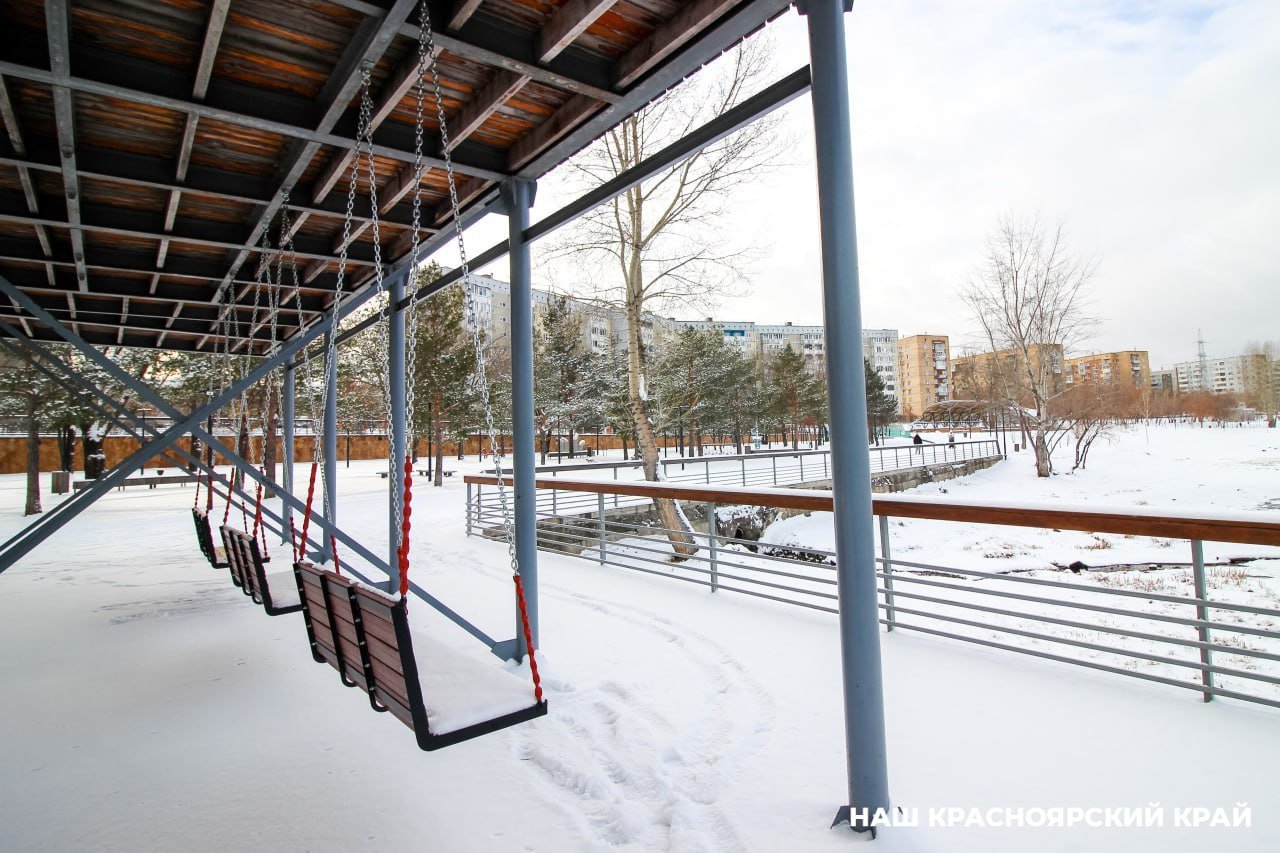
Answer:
x=276 y=592
x=364 y=634
x=216 y=556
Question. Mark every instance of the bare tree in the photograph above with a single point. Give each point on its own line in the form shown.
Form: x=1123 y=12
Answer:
x=1029 y=299
x=658 y=236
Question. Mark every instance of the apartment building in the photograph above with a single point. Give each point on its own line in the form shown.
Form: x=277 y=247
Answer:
x=1235 y=374
x=603 y=328
x=809 y=341
x=990 y=375
x=924 y=373
x=1164 y=381
x=880 y=347
x=1129 y=367
x=741 y=335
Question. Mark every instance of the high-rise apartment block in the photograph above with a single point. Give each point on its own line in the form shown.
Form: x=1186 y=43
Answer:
x=880 y=348
x=1236 y=374
x=989 y=375
x=1128 y=367
x=924 y=373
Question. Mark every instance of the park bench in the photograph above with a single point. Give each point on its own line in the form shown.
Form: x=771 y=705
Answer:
x=150 y=482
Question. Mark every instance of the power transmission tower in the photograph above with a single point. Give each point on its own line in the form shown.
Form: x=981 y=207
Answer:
x=1205 y=382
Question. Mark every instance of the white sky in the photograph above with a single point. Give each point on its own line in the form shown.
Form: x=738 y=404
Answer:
x=1151 y=129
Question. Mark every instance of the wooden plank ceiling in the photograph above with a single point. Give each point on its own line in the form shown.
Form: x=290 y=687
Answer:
x=146 y=144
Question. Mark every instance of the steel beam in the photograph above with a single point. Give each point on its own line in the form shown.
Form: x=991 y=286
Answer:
x=103 y=219
x=566 y=24
x=191 y=423
x=236 y=117
x=462 y=12
x=58 y=25
x=120 y=167
x=204 y=70
x=184 y=424
x=865 y=753
x=132 y=425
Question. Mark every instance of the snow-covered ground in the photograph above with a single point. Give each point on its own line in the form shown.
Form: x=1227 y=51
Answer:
x=148 y=705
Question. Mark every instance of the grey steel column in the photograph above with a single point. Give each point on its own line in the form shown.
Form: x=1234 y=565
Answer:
x=518 y=195
x=331 y=443
x=398 y=430
x=850 y=462
x=287 y=405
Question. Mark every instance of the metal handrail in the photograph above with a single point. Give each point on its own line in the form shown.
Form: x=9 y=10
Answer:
x=1252 y=529
x=1174 y=636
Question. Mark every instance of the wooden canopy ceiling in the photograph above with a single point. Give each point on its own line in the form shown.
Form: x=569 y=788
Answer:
x=147 y=144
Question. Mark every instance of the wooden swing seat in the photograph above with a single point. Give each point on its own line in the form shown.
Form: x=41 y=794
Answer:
x=276 y=593
x=364 y=634
x=216 y=556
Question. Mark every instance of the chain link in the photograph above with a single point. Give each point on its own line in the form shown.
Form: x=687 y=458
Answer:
x=477 y=339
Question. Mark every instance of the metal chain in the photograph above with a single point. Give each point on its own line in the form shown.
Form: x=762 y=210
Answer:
x=331 y=345
x=290 y=253
x=261 y=283
x=415 y=233
x=469 y=287
x=364 y=136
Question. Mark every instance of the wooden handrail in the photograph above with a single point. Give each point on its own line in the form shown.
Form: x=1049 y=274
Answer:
x=1251 y=529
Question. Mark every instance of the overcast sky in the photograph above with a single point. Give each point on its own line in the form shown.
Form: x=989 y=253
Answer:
x=1150 y=129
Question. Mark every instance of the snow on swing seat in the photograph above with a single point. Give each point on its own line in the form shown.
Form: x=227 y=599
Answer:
x=282 y=590
x=364 y=633
x=276 y=592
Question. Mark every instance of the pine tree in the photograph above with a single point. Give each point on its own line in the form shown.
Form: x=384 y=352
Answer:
x=444 y=364
x=880 y=406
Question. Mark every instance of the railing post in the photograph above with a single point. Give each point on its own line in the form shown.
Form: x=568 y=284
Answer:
x=888 y=571
x=743 y=464
x=468 y=509
x=774 y=460
x=706 y=470
x=1202 y=613
x=600 y=525
x=711 y=546
x=801 y=458
x=825 y=476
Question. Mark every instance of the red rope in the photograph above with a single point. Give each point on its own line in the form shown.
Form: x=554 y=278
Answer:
x=528 y=638
x=403 y=551
x=259 y=529
x=301 y=548
x=293 y=539
x=231 y=481
x=196 y=503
